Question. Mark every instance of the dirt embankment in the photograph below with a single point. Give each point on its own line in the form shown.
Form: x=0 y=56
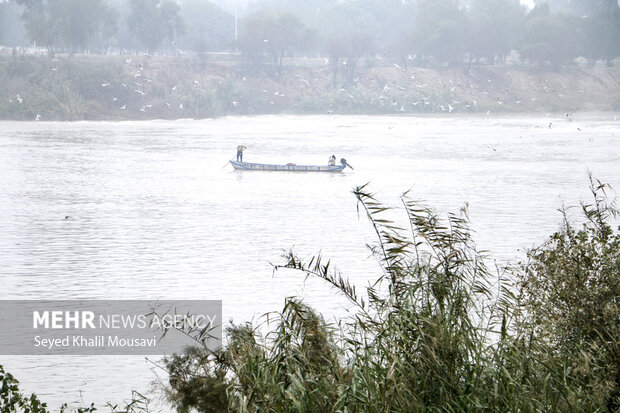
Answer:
x=144 y=87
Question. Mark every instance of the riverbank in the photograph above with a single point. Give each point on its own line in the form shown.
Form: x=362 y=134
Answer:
x=146 y=87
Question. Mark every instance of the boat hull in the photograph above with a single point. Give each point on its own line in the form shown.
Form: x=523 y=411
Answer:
x=249 y=166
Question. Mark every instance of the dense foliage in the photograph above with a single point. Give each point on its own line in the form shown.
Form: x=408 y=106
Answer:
x=437 y=331
x=427 y=32
x=571 y=296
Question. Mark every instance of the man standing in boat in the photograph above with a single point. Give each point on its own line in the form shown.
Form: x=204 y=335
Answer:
x=240 y=149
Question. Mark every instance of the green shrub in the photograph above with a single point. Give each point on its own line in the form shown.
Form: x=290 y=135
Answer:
x=436 y=332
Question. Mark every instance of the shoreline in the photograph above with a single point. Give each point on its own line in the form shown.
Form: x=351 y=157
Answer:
x=119 y=88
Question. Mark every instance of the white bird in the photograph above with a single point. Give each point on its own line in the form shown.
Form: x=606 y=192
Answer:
x=181 y=106
x=38 y=117
x=143 y=109
x=174 y=88
x=450 y=108
x=235 y=104
x=124 y=107
x=168 y=104
x=402 y=108
x=137 y=75
x=386 y=88
x=139 y=92
x=397 y=66
x=114 y=99
x=19 y=98
x=105 y=84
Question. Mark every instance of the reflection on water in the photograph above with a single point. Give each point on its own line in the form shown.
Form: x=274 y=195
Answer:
x=150 y=209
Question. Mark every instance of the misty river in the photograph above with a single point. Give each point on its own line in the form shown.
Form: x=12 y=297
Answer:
x=154 y=211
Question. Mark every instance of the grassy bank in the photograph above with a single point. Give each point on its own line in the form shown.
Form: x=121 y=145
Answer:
x=144 y=87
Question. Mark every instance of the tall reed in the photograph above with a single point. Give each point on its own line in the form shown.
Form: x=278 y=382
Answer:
x=437 y=331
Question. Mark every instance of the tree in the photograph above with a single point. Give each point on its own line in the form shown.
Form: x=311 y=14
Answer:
x=581 y=7
x=440 y=30
x=208 y=27
x=39 y=26
x=495 y=27
x=70 y=24
x=274 y=34
x=394 y=36
x=601 y=34
x=154 y=21
x=550 y=37
x=349 y=32
x=81 y=23
x=12 y=30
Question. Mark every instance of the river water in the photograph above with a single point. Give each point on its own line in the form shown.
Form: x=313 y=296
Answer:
x=154 y=213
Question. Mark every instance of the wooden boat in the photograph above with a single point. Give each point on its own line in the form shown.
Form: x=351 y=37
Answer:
x=249 y=166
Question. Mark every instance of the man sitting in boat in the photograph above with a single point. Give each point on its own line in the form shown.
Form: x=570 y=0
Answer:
x=332 y=161
x=240 y=149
